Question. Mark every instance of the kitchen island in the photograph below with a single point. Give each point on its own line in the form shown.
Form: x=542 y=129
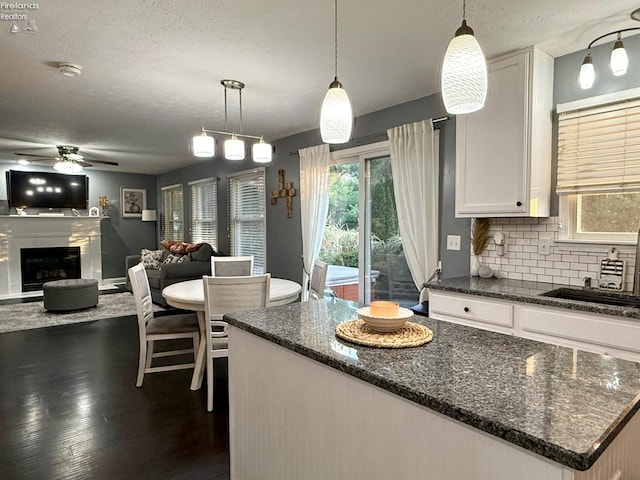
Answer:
x=472 y=404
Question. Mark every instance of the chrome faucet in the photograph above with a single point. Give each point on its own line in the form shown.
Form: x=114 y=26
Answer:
x=636 y=274
x=587 y=282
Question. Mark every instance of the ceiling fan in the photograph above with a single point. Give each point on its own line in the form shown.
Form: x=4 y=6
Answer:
x=68 y=159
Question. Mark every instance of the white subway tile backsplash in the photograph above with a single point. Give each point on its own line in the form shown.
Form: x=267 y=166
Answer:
x=563 y=265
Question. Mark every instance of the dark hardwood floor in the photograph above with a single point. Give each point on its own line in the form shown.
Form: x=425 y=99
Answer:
x=69 y=409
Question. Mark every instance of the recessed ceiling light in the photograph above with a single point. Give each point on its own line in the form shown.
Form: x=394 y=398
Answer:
x=70 y=69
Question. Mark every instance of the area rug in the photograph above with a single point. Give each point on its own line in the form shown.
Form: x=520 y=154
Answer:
x=24 y=316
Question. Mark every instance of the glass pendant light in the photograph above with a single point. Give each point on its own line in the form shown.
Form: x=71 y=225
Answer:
x=203 y=145
x=261 y=152
x=587 y=73
x=234 y=148
x=336 y=115
x=464 y=72
x=619 y=59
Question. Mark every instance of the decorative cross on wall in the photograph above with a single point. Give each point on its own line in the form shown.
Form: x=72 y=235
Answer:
x=284 y=191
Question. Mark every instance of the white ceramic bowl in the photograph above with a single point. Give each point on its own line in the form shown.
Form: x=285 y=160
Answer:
x=385 y=324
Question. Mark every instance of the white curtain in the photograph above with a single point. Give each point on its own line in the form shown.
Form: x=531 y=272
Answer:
x=415 y=165
x=314 y=206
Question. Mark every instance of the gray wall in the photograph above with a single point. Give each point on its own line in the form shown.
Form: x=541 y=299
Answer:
x=120 y=236
x=284 y=238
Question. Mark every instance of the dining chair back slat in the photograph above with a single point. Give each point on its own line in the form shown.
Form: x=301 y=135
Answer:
x=239 y=266
x=151 y=329
x=224 y=295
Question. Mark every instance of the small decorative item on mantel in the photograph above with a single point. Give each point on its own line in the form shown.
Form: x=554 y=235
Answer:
x=479 y=242
x=285 y=190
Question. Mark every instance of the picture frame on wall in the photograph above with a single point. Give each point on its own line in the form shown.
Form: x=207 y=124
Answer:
x=133 y=201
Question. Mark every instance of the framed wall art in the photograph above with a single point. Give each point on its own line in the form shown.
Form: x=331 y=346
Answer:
x=133 y=201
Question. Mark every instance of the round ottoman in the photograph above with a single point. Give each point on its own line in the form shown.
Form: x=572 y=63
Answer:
x=72 y=294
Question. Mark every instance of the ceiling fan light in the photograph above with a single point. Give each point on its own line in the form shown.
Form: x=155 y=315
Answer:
x=336 y=115
x=203 y=145
x=464 y=73
x=261 y=152
x=587 y=73
x=234 y=148
x=619 y=59
x=67 y=166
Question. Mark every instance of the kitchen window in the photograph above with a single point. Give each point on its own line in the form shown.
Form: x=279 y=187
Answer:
x=598 y=176
x=204 y=211
x=247 y=216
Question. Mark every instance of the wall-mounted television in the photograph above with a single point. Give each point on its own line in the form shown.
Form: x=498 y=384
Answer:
x=47 y=190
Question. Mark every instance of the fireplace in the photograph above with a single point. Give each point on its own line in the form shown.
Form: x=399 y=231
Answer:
x=40 y=265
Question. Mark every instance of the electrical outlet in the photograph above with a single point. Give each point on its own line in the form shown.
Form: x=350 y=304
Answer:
x=453 y=242
x=544 y=248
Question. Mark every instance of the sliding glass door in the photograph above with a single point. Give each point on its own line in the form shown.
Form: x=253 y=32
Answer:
x=361 y=242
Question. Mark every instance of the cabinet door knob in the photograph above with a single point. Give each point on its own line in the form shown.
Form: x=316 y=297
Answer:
x=466 y=309
x=518 y=204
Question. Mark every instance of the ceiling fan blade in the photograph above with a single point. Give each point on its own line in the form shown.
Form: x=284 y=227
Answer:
x=104 y=162
x=31 y=155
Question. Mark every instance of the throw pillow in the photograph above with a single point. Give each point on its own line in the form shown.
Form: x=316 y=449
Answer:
x=180 y=247
x=151 y=258
x=175 y=258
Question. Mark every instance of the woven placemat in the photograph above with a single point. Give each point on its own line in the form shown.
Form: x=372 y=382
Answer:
x=409 y=335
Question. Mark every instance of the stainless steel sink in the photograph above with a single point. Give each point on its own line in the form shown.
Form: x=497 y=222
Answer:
x=595 y=296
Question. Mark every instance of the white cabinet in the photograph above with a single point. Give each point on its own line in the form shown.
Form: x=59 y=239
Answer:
x=592 y=332
x=503 y=152
x=471 y=310
x=606 y=334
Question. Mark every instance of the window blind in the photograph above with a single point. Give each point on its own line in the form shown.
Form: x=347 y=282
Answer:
x=204 y=211
x=172 y=213
x=599 y=149
x=247 y=222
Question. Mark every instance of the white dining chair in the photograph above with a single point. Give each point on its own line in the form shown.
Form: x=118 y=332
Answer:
x=318 y=280
x=152 y=329
x=225 y=295
x=238 y=266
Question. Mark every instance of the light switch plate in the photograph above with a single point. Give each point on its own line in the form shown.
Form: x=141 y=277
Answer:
x=453 y=242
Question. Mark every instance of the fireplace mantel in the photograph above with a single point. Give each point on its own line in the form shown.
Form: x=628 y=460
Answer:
x=34 y=231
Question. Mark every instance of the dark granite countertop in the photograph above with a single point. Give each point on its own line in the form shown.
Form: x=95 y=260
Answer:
x=563 y=404
x=530 y=292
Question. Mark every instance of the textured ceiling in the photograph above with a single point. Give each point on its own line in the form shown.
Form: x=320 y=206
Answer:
x=151 y=69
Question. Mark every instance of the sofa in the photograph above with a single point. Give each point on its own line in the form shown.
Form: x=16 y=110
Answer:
x=170 y=266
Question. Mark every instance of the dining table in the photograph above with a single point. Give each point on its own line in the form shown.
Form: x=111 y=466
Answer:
x=189 y=295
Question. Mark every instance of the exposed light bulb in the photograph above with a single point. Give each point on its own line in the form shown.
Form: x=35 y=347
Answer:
x=587 y=73
x=336 y=115
x=464 y=73
x=619 y=59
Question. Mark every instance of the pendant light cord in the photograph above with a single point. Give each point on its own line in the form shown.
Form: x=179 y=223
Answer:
x=226 y=126
x=464 y=9
x=240 y=97
x=335 y=35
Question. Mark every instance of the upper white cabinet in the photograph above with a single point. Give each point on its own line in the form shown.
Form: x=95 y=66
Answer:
x=503 y=152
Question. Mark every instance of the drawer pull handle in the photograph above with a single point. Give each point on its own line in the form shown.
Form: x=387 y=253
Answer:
x=466 y=309
x=518 y=204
